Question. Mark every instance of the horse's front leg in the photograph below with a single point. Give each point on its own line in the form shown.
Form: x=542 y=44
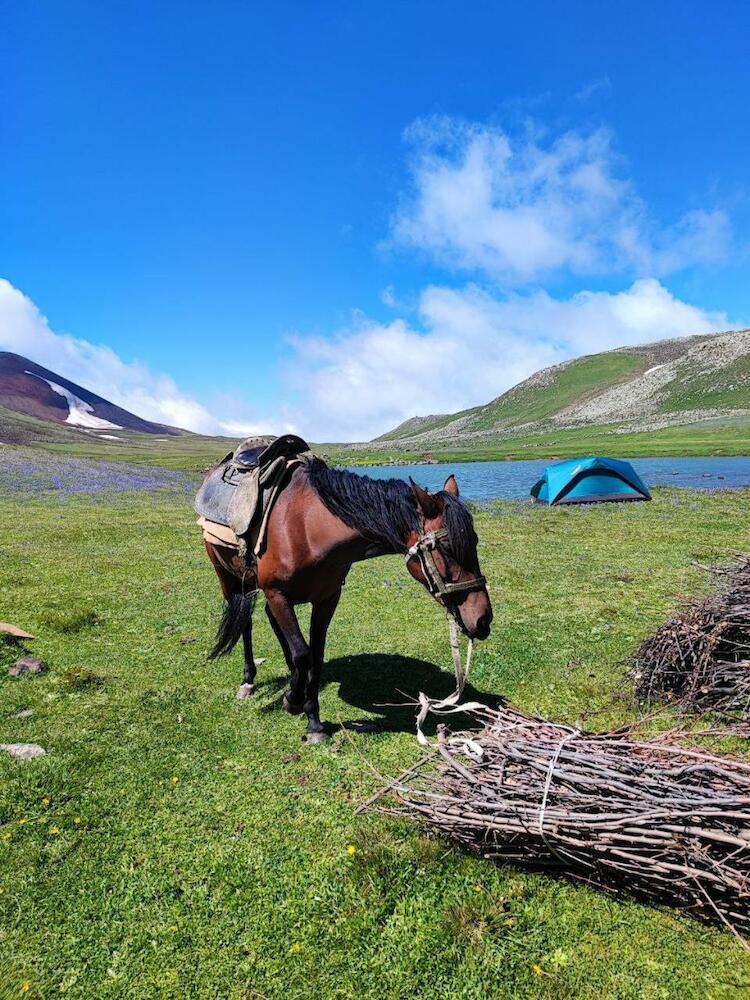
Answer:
x=296 y=651
x=322 y=613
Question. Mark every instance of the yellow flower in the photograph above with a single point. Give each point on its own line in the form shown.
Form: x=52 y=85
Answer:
x=296 y=946
x=25 y=986
x=351 y=850
x=76 y=820
x=6 y=835
x=45 y=802
x=175 y=780
x=54 y=829
x=478 y=888
x=22 y=821
x=509 y=922
x=173 y=928
x=537 y=970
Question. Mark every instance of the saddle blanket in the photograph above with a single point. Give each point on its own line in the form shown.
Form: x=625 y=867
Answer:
x=218 y=534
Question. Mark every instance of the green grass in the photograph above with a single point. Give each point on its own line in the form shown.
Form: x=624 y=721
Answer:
x=725 y=436
x=194 y=452
x=728 y=388
x=211 y=857
x=575 y=382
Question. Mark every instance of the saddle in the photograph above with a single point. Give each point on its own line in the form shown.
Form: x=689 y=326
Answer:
x=236 y=498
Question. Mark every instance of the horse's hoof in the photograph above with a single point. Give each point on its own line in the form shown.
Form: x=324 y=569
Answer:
x=246 y=691
x=293 y=707
x=317 y=736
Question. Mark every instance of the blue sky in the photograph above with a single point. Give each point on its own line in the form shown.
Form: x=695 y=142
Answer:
x=243 y=216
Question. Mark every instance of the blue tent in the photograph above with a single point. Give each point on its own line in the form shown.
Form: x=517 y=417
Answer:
x=589 y=480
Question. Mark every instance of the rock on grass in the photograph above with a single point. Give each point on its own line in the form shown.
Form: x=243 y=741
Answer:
x=27 y=665
x=23 y=751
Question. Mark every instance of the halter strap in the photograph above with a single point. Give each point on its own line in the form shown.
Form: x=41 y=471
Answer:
x=422 y=549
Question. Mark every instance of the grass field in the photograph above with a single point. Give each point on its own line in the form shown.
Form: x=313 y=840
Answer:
x=718 y=437
x=195 y=452
x=177 y=843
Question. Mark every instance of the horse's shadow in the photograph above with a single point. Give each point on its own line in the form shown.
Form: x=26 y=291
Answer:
x=386 y=687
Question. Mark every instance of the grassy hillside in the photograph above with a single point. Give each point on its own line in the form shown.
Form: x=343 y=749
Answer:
x=635 y=393
x=571 y=383
x=531 y=401
x=679 y=397
x=176 y=843
x=697 y=389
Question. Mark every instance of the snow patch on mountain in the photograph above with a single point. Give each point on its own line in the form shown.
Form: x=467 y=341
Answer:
x=80 y=413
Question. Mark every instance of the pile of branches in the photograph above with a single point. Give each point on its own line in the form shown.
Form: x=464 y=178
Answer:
x=700 y=659
x=650 y=819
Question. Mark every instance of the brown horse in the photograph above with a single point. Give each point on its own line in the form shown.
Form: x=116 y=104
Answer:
x=324 y=520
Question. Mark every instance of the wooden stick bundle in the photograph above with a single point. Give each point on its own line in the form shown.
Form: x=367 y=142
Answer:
x=701 y=657
x=656 y=820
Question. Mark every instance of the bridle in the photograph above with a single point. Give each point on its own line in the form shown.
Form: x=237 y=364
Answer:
x=422 y=549
x=439 y=588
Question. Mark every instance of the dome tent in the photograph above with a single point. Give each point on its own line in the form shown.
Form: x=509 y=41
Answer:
x=589 y=480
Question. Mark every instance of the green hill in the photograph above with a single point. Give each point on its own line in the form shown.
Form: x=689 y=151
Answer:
x=695 y=387
x=689 y=396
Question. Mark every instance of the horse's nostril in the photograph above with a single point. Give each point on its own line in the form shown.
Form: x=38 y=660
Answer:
x=483 y=626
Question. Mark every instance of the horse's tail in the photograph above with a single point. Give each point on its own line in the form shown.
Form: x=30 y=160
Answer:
x=238 y=613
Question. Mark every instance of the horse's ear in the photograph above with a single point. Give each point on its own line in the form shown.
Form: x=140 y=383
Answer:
x=429 y=505
x=451 y=486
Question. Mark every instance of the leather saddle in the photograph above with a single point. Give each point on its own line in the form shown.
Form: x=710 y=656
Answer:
x=259 y=452
x=240 y=491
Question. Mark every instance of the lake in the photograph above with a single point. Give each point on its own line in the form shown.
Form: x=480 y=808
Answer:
x=513 y=480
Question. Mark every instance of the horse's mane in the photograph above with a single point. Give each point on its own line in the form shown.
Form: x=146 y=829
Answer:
x=386 y=509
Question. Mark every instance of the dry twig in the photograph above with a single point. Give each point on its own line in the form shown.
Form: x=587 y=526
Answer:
x=660 y=821
x=700 y=659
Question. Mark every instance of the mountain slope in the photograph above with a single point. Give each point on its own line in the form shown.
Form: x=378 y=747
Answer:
x=665 y=384
x=29 y=389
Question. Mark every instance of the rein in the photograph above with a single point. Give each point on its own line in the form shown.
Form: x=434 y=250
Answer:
x=452 y=702
x=422 y=550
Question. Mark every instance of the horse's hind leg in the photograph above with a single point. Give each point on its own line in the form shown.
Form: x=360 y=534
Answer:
x=248 y=688
x=240 y=607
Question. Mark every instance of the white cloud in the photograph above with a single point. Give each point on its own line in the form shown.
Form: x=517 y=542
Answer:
x=469 y=347
x=518 y=208
x=472 y=348
x=593 y=87
x=24 y=330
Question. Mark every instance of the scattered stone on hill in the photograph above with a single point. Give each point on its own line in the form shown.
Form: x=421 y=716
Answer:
x=27 y=665
x=23 y=751
x=25 y=713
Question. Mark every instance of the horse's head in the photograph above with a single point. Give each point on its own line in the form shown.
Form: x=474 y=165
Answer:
x=443 y=557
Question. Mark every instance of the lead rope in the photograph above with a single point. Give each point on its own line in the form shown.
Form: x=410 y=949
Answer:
x=428 y=705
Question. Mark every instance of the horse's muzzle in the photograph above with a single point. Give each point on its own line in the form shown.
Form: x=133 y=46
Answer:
x=481 y=629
